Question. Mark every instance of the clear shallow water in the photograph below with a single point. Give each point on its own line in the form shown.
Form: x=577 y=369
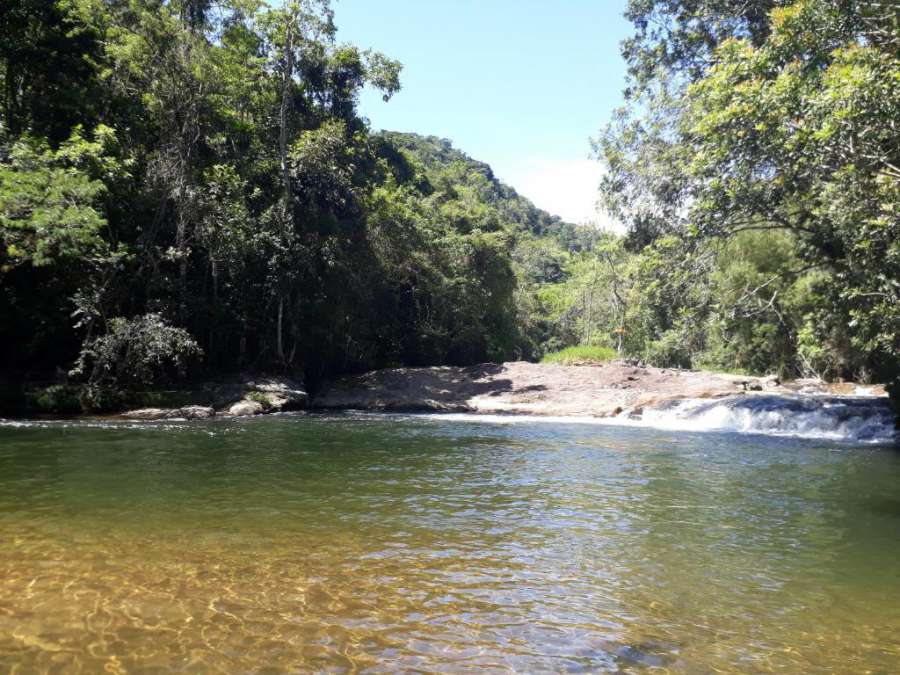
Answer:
x=394 y=543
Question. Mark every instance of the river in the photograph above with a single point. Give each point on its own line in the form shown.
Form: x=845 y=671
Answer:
x=384 y=543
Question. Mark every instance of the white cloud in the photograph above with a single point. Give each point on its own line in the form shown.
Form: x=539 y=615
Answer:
x=564 y=187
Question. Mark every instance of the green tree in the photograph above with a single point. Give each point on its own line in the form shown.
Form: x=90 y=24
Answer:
x=768 y=117
x=49 y=205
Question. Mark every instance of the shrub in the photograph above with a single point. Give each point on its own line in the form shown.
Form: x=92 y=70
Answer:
x=142 y=350
x=103 y=399
x=260 y=398
x=60 y=399
x=581 y=354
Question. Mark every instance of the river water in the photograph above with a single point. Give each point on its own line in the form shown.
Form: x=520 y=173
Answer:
x=356 y=542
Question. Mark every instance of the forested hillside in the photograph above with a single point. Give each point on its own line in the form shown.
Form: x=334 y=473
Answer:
x=188 y=188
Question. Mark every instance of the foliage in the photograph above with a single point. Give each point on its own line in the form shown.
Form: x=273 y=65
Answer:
x=680 y=36
x=811 y=151
x=571 y=356
x=207 y=164
x=758 y=161
x=261 y=398
x=56 y=399
x=49 y=203
x=137 y=350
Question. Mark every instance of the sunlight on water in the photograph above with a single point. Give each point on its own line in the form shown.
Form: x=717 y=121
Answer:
x=361 y=542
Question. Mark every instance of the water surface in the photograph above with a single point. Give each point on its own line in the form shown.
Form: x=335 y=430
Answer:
x=347 y=543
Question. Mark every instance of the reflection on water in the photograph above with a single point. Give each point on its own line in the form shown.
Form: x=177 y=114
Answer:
x=348 y=543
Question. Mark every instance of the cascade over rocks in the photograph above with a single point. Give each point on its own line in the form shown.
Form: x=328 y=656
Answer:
x=631 y=393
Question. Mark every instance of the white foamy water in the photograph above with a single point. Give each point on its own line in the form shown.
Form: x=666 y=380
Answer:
x=845 y=418
x=856 y=419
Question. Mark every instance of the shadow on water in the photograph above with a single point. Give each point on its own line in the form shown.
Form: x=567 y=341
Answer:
x=885 y=506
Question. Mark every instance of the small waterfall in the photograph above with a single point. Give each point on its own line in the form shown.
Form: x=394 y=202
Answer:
x=845 y=418
x=856 y=419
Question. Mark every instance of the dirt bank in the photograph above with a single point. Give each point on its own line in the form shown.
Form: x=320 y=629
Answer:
x=541 y=389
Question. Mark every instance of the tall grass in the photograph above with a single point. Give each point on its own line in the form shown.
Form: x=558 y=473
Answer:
x=581 y=354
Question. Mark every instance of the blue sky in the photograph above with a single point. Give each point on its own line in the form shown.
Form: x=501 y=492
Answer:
x=522 y=84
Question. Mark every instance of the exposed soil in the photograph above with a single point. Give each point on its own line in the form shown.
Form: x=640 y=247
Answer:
x=599 y=390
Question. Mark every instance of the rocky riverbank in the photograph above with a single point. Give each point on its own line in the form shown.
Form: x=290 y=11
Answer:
x=227 y=397
x=624 y=389
x=598 y=390
x=240 y=399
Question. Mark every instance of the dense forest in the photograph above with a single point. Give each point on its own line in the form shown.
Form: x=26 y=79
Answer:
x=757 y=163
x=188 y=188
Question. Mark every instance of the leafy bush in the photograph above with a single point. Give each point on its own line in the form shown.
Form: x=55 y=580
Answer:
x=261 y=398
x=97 y=398
x=675 y=348
x=581 y=354
x=143 y=349
x=58 y=398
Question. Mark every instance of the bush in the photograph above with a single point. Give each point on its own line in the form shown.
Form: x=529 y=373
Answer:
x=582 y=354
x=61 y=399
x=140 y=350
x=676 y=347
x=102 y=399
x=261 y=398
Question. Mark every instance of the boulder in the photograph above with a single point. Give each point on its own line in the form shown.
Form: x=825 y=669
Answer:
x=149 y=414
x=222 y=394
x=191 y=412
x=279 y=394
x=197 y=412
x=244 y=408
x=238 y=398
x=771 y=381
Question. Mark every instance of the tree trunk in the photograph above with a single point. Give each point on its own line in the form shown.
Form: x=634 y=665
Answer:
x=181 y=246
x=214 y=271
x=280 y=337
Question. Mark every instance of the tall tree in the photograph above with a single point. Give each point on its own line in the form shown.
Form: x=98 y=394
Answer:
x=771 y=116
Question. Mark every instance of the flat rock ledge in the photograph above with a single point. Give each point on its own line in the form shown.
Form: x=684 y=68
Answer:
x=595 y=390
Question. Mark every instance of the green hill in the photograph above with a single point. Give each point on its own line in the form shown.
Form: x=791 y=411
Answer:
x=441 y=161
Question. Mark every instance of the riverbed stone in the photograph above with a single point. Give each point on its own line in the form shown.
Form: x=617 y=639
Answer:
x=191 y=412
x=148 y=414
x=281 y=394
x=197 y=412
x=244 y=408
